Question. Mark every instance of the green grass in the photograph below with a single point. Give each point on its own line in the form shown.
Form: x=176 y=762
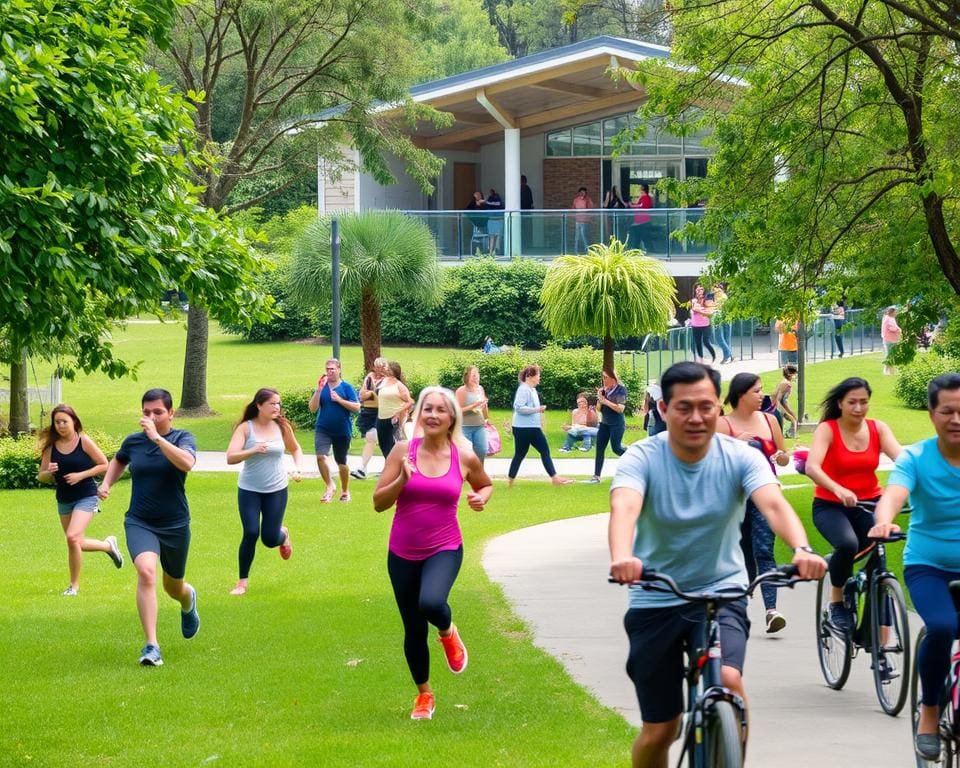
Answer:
x=306 y=669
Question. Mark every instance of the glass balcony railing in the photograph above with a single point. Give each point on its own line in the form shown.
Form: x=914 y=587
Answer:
x=545 y=234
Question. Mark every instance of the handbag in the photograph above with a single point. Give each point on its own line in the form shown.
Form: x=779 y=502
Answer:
x=493 y=439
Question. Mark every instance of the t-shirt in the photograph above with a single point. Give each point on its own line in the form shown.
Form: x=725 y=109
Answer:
x=689 y=524
x=934 y=534
x=332 y=418
x=158 y=497
x=608 y=415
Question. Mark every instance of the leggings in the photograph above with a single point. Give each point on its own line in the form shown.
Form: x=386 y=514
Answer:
x=523 y=438
x=846 y=530
x=252 y=505
x=385 y=439
x=421 y=588
x=608 y=433
x=701 y=339
x=931 y=597
x=756 y=541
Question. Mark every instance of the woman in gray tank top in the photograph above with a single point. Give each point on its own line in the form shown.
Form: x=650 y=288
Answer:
x=259 y=441
x=473 y=403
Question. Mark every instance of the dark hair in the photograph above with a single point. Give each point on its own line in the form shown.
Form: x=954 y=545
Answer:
x=687 y=372
x=530 y=370
x=523 y=179
x=739 y=386
x=830 y=407
x=947 y=381
x=50 y=433
x=645 y=187
x=158 y=394
x=251 y=410
x=395 y=370
x=582 y=189
x=790 y=370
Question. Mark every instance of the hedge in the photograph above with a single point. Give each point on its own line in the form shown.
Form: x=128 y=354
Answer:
x=20 y=459
x=912 y=379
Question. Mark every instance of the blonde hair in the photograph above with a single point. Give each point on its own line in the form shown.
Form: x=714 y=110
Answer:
x=456 y=429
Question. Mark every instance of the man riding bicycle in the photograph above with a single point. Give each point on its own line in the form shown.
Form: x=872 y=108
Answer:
x=929 y=473
x=676 y=505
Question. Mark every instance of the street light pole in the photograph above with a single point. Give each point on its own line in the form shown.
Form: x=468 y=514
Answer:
x=335 y=287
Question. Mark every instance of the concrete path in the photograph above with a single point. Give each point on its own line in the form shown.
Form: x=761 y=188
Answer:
x=555 y=578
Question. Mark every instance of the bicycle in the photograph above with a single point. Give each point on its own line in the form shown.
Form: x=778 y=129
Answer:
x=875 y=596
x=949 y=703
x=714 y=724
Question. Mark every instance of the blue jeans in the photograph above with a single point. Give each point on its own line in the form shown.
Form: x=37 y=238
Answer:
x=724 y=337
x=929 y=588
x=756 y=541
x=578 y=433
x=581 y=229
x=478 y=439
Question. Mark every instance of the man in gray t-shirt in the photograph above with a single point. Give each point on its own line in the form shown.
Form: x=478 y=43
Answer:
x=676 y=504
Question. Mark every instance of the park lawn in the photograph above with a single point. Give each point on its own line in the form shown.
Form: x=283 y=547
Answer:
x=306 y=669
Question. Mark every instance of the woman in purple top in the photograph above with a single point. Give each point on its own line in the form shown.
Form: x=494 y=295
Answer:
x=424 y=478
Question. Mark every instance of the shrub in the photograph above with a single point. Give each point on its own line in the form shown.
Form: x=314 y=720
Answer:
x=947 y=343
x=296 y=408
x=19 y=462
x=912 y=380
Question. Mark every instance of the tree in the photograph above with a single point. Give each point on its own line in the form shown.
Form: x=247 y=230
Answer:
x=382 y=254
x=835 y=126
x=97 y=213
x=611 y=292
x=277 y=88
x=459 y=39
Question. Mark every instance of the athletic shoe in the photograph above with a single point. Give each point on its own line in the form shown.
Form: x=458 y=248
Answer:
x=286 y=549
x=842 y=618
x=454 y=650
x=591 y=481
x=586 y=448
x=345 y=496
x=70 y=592
x=114 y=551
x=775 y=621
x=564 y=450
x=240 y=589
x=927 y=745
x=887 y=672
x=190 y=620
x=150 y=656
x=358 y=474
x=328 y=494
x=423 y=707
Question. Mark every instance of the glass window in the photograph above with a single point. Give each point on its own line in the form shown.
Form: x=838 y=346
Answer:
x=586 y=140
x=611 y=127
x=558 y=143
x=696 y=167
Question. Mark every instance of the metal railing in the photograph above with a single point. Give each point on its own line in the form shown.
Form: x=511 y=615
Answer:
x=859 y=332
x=548 y=233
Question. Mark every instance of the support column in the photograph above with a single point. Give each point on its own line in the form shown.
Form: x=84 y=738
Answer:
x=511 y=183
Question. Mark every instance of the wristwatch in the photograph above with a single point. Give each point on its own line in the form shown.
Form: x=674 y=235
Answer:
x=804 y=548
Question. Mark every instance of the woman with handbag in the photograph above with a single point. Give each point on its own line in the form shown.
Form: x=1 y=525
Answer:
x=473 y=402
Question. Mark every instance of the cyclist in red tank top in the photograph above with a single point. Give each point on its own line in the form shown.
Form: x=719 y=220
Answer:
x=843 y=463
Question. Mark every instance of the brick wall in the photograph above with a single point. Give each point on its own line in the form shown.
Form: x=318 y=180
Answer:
x=563 y=176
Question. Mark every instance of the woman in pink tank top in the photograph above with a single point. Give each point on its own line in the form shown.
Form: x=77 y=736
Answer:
x=424 y=478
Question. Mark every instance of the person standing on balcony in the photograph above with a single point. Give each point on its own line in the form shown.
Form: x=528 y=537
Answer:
x=581 y=202
x=613 y=200
x=526 y=222
x=890 y=334
x=477 y=220
x=495 y=222
x=638 y=230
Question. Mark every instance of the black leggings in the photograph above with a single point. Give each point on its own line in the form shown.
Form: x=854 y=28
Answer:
x=846 y=530
x=385 y=438
x=701 y=339
x=523 y=438
x=612 y=434
x=252 y=505
x=421 y=588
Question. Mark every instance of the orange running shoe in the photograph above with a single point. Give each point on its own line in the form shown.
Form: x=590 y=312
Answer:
x=286 y=549
x=455 y=650
x=423 y=707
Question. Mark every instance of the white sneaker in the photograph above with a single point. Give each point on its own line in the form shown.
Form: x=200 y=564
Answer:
x=775 y=621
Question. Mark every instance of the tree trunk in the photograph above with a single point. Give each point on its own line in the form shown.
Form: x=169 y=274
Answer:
x=193 y=397
x=19 y=403
x=608 y=354
x=370 y=332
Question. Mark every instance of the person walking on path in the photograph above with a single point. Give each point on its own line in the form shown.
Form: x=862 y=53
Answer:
x=393 y=406
x=473 y=404
x=724 y=328
x=838 y=313
x=700 y=325
x=157 y=523
x=72 y=460
x=843 y=461
x=761 y=431
x=259 y=442
x=424 y=479
x=928 y=473
x=612 y=402
x=367 y=418
x=527 y=427
x=653 y=525
x=780 y=401
x=334 y=401
x=890 y=335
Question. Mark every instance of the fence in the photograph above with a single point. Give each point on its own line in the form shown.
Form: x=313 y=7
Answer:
x=47 y=396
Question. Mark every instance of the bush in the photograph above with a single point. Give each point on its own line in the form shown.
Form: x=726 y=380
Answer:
x=947 y=343
x=296 y=408
x=19 y=462
x=912 y=380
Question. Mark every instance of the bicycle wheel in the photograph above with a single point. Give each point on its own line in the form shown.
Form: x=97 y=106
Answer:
x=833 y=645
x=890 y=644
x=722 y=737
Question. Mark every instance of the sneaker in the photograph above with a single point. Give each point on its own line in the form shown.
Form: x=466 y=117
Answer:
x=775 y=621
x=358 y=474
x=927 y=745
x=328 y=494
x=564 y=450
x=842 y=618
x=114 y=551
x=887 y=672
x=423 y=707
x=240 y=589
x=591 y=481
x=150 y=656
x=70 y=592
x=190 y=620
x=586 y=448
x=345 y=496
x=286 y=549
x=454 y=650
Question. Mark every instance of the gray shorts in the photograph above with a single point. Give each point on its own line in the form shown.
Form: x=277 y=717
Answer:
x=322 y=442
x=171 y=545
x=86 y=504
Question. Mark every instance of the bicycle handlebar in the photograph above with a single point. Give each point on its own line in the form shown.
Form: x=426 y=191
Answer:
x=784 y=576
x=888 y=539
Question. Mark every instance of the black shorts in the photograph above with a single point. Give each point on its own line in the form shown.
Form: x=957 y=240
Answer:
x=366 y=420
x=658 y=638
x=173 y=545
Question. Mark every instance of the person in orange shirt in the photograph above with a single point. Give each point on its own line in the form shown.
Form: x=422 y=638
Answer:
x=787 y=344
x=581 y=221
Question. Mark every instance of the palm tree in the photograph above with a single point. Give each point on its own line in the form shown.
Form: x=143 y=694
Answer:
x=382 y=254
x=611 y=292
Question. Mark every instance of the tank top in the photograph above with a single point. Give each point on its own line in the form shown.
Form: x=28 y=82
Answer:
x=854 y=470
x=472 y=418
x=388 y=401
x=426 y=518
x=75 y=461
x=766 y=445
x=263 y=472
x=370 y=404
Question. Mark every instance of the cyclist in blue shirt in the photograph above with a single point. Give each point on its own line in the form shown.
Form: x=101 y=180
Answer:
x=676 y=505
x=928 y=473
